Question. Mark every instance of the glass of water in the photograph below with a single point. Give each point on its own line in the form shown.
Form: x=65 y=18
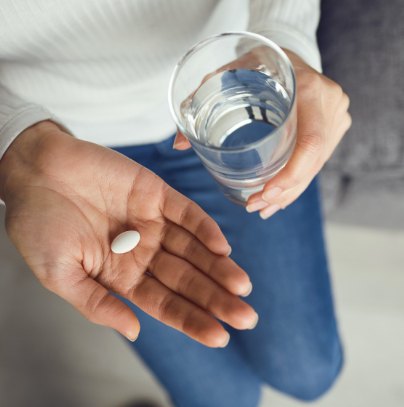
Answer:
x=232 y=95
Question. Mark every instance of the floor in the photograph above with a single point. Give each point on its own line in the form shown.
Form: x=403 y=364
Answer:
x=49 y=355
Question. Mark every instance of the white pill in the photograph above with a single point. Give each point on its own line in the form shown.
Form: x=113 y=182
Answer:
x=125 y=242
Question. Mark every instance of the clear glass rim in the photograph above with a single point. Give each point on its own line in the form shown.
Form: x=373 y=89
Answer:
x=200 y=45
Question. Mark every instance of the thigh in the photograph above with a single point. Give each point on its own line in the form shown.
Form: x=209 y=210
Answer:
x=295 y=346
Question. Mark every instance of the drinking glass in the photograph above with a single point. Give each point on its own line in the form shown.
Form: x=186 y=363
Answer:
x=232 y=95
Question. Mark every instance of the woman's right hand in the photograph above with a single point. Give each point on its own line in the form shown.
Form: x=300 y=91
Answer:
x=67 y=199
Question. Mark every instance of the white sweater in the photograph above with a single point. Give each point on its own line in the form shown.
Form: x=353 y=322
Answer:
x=101 y=67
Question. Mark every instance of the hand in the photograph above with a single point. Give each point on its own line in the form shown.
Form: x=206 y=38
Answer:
x=322 y=121
x=67 y=199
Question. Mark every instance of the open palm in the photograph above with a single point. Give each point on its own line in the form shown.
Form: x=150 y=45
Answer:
x=75 y=197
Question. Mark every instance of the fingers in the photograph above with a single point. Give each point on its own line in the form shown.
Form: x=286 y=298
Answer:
x=184 y=279
x=221 y=269
x=187 y=214
x=266 y=210
x=306 y=159
x=299 y=171
x=173 y=310
x=95 y=303
x=181 y=142
x=318 y=133
x=341 y=124
x=284 y=200
x=305 y=162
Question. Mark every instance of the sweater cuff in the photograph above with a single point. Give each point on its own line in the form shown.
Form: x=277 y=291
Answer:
x=293 y=40
x=18 y=122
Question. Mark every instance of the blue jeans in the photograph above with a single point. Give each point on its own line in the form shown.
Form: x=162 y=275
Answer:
x=295 y=347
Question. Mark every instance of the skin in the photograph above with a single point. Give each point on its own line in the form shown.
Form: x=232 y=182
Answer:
x=322 y=121
x=67 y=199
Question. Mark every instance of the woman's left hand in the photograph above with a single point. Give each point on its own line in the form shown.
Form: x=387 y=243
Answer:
x=322 y=121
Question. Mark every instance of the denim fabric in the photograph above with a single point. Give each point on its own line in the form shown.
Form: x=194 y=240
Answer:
x=295 y=348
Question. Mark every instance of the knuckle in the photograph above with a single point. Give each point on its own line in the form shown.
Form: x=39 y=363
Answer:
x=211 y=301
x=94 y=302
x=190 y=322
x=155 y=261
x=189 y=248
x=184 y=213
x=347 y=124
x=294 y=177
x=333 y=89
x=166 y=308
x=346 y=100
x=337 y=88
x=349 y=120
x=202 y=225
x=311 y=143
x=187 y=281
x=316 y=79
x=213 y=265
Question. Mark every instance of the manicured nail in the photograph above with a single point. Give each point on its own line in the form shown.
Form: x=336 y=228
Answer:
x=256 y=206
x=271 y=194
x=267 y=212
x=254 y=324
x=248 y=291
x=226 y=341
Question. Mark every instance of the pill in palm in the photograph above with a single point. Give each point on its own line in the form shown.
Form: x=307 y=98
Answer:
x=125 y=242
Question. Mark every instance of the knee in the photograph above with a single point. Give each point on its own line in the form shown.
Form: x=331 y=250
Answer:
x=314 y=380
x=306 y=378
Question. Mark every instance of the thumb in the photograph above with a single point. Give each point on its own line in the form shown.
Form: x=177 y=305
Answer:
x=97 y=305
x=181 y=142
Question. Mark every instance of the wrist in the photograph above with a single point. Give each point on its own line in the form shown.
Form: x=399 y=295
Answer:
x=296 y=60
x=24 y=153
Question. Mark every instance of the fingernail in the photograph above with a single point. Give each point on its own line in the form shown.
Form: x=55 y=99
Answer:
x=271 y=193
x=226 y=341
x=131 y=338
x=254 y=324
x=256 y=206
x=267 y=212
x=248 y=291
x=178 y=145
x=229 y=252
